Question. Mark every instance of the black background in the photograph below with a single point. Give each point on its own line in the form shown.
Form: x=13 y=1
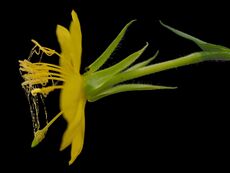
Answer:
x=151 y=131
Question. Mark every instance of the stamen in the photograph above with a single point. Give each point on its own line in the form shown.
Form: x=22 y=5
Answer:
x=45 y=90
x=42 y=81
x=51 y=67
x=40 y=73
x=31 y=76
x=27 y=66
x=47 y=51
x=37 y=76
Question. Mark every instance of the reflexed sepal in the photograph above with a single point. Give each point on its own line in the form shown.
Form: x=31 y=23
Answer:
x=95 y=81
x=105 y=82
x=202 y=44
x=129 y=87
x=107 y=53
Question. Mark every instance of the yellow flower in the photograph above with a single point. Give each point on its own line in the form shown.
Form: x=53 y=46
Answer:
x=41 y=78
x=72 y=98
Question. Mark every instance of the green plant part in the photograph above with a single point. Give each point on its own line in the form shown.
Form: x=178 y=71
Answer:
x=105 y=82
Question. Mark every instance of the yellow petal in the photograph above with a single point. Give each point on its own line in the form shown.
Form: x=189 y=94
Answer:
x=71 y=45
x=74 y=125
x=68 y=136
x=78 y=140
x=76 y=36
x=65 y=42
x=71 y=94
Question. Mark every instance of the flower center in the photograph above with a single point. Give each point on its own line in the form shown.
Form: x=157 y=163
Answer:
x=40 y=78
x=38 y=75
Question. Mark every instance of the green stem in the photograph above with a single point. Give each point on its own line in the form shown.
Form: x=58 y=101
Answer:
x=155 y=68
x=183 y=61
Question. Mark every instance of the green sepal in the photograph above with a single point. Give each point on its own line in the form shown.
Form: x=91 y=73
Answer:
x=129 y=87
x=144 y=63
x=95 y=80
x=202 y=44
x=107 y=53
x=109 y=81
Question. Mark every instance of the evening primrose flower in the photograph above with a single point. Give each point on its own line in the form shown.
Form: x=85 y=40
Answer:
x=72 y=98
x=41 y=78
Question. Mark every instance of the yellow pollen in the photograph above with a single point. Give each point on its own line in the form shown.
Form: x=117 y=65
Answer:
x=47 y=51
x=40 y=78
x=40 y=73
x=45 y=90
